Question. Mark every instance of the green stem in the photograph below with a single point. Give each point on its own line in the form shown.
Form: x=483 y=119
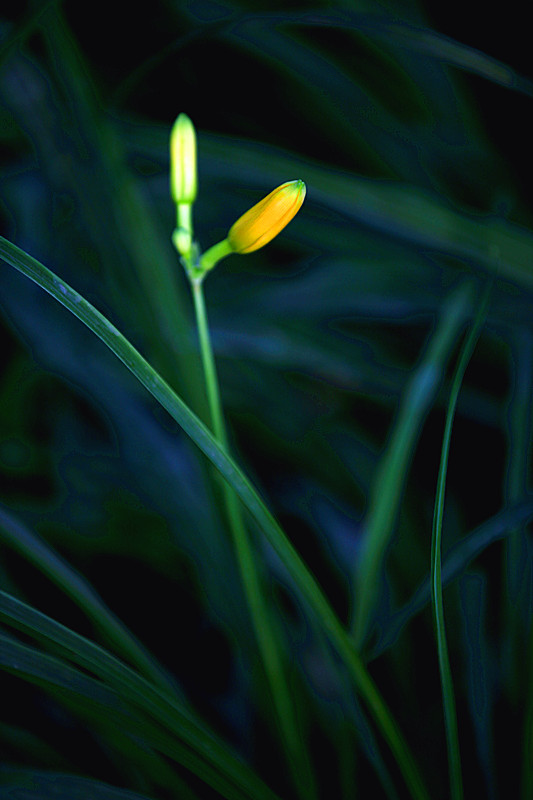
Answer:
x=215 y=254
x=208 y=362
x=182 y=237
x=258 y=610
x=448 y=698
x=184 y=217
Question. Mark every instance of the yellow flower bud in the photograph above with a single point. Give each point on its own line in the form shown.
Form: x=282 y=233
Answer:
x=183 y=182
x=267 y=218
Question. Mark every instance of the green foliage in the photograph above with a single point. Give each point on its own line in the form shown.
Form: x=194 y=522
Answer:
x=137 y=665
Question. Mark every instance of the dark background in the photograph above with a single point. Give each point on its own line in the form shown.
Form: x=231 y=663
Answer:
x=316 y=338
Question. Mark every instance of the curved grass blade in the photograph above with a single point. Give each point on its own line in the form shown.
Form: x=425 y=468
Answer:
x=450 y=715
x=38 y=552
x=314 y=72
x=455 y=563
x=383 y=27
x=142 y=439
x=189 y=743
x=416 y=38
x=45 y=670
x=142 y=763
x=448 y=50
x=281 y=38
x=304 y=581
x=387 y=491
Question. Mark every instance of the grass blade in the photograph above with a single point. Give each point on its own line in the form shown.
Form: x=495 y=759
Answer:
x=445 y=49
x=32 y=547
x=455 y=563
x=61 y=784
x=452 y=738
x=387 y=492
x=193 y=745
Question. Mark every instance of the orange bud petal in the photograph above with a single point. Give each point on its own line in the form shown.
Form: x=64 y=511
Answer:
x=267 y=218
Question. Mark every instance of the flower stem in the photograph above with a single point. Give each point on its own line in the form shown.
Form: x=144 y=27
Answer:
x=208 y=363
x=264 y=632
x=215 y=254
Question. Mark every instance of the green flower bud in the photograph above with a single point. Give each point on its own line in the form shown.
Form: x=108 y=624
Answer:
x=183 y=183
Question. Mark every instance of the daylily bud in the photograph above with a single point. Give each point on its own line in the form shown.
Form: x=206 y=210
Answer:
x=183 y=182
x=267 y=218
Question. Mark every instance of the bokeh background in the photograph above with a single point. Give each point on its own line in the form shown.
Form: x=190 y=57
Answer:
x=409 y=123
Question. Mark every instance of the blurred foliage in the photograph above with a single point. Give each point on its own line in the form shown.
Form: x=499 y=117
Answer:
x=335 y=346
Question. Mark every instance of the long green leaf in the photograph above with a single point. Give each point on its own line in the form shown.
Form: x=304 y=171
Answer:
x=143 y=763
x=32 y=547
x=190 y=744
x=194 y=428
x=387 y=492
x=419 y=39
x=280 y=38
x=455 y=563
x=450 y=715
x=381 y=27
